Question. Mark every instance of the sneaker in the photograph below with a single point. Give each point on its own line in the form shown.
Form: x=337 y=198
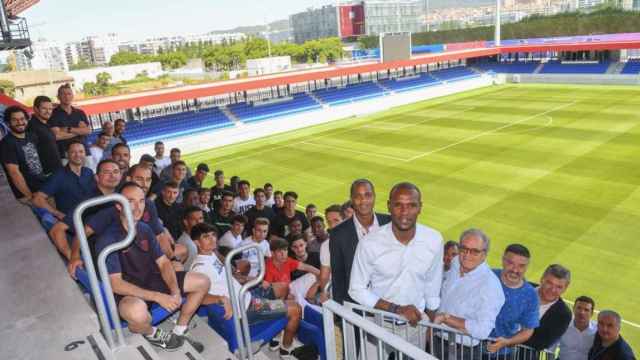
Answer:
x=165 y=340
x=196 y=344
x=274 y=344
x=286 y=354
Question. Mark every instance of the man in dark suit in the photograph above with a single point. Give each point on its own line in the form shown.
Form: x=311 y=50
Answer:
x=555 y=313
x=344 y=238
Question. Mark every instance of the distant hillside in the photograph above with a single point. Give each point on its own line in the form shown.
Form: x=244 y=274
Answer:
x=279 y=25
x=608 y=21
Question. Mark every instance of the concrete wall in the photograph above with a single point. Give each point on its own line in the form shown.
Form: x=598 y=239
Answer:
x=118 y=73
x=577 y=79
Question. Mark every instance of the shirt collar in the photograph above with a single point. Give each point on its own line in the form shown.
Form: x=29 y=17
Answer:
x=361 y=230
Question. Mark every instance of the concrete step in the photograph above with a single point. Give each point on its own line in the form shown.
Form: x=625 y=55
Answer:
x=215 y=347
x=538 y=69
x=317 y=99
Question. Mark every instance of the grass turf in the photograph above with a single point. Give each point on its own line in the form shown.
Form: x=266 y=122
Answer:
x=553 y=167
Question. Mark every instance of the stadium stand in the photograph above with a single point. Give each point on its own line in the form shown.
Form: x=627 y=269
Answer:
x=515 y=67
x=410 y=82
x=186 y=123
x=558 y=67
x=248 y=112
x=632 y=67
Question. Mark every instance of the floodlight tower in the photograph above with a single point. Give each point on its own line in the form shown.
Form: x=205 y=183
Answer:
x=498 y=21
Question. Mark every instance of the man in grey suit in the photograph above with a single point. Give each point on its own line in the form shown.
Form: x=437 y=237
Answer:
x=344 y=238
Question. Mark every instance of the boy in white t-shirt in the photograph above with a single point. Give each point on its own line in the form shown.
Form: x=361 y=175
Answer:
x=259 y=235
x=209 y=263
x=244 y=201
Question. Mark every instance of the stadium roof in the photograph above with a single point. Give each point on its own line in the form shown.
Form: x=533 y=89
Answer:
x=116 y=103
x=15 y=7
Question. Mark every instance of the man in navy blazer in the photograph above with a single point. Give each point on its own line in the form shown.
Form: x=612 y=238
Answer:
x=344 y=238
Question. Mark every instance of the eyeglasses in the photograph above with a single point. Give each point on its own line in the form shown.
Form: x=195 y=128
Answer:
x=471 y=251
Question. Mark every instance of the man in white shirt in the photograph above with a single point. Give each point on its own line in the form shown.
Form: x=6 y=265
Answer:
x=471 y=297
x=161 y=160
x=96 y=151
x=244 y=201
x=399 y=267
x=259 y=236
x=344 y=238
x=233 y=237
x=577 y=340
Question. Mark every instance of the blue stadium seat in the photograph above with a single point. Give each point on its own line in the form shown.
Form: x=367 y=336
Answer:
x=557 y=67
x=247 y=112
x=632 y=67
x=263 y=331
x=166 y=126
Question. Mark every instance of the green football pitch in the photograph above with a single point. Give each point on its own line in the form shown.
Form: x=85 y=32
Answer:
x=556 y=168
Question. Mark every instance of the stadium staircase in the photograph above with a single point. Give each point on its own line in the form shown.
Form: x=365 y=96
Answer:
x=381 y=86
x=615 y=68
x=229 y=114
x=317 y=99
x=538 y=68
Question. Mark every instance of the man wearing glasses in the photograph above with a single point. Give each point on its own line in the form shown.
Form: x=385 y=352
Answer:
x=471 y=298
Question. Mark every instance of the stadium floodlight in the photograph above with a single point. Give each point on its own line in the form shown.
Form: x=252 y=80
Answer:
x=498 y=21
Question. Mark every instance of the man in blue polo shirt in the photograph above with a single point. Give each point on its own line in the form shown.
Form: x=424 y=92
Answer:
x=68 y=122
x=519 y=314
x=69 y=185
x=142 y=275
x=107 y=179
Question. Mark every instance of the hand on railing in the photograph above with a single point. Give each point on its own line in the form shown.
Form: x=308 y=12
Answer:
x=411 y=313
x=498 y=344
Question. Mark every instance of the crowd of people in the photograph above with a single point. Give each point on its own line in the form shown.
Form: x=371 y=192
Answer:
x=184 y=231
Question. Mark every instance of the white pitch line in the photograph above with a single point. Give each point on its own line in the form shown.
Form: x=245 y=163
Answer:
x=623 y=320
x=353 y=151
x=470 y=138
x=547 y=124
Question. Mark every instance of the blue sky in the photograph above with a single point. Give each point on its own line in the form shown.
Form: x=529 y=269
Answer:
x=67 y=20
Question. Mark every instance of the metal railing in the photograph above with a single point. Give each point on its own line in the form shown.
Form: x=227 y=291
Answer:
x=367 y=332
x=102 y=266
x=243 y=335
x=441 y=341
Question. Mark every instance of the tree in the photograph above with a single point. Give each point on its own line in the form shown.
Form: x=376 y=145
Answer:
x=8 y=88
x=81 y=65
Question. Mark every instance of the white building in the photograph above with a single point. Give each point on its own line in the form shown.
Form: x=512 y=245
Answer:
x=96 y=50
x=118 y=73
x=270 y=65
x=586 y=4
x=48 y=55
